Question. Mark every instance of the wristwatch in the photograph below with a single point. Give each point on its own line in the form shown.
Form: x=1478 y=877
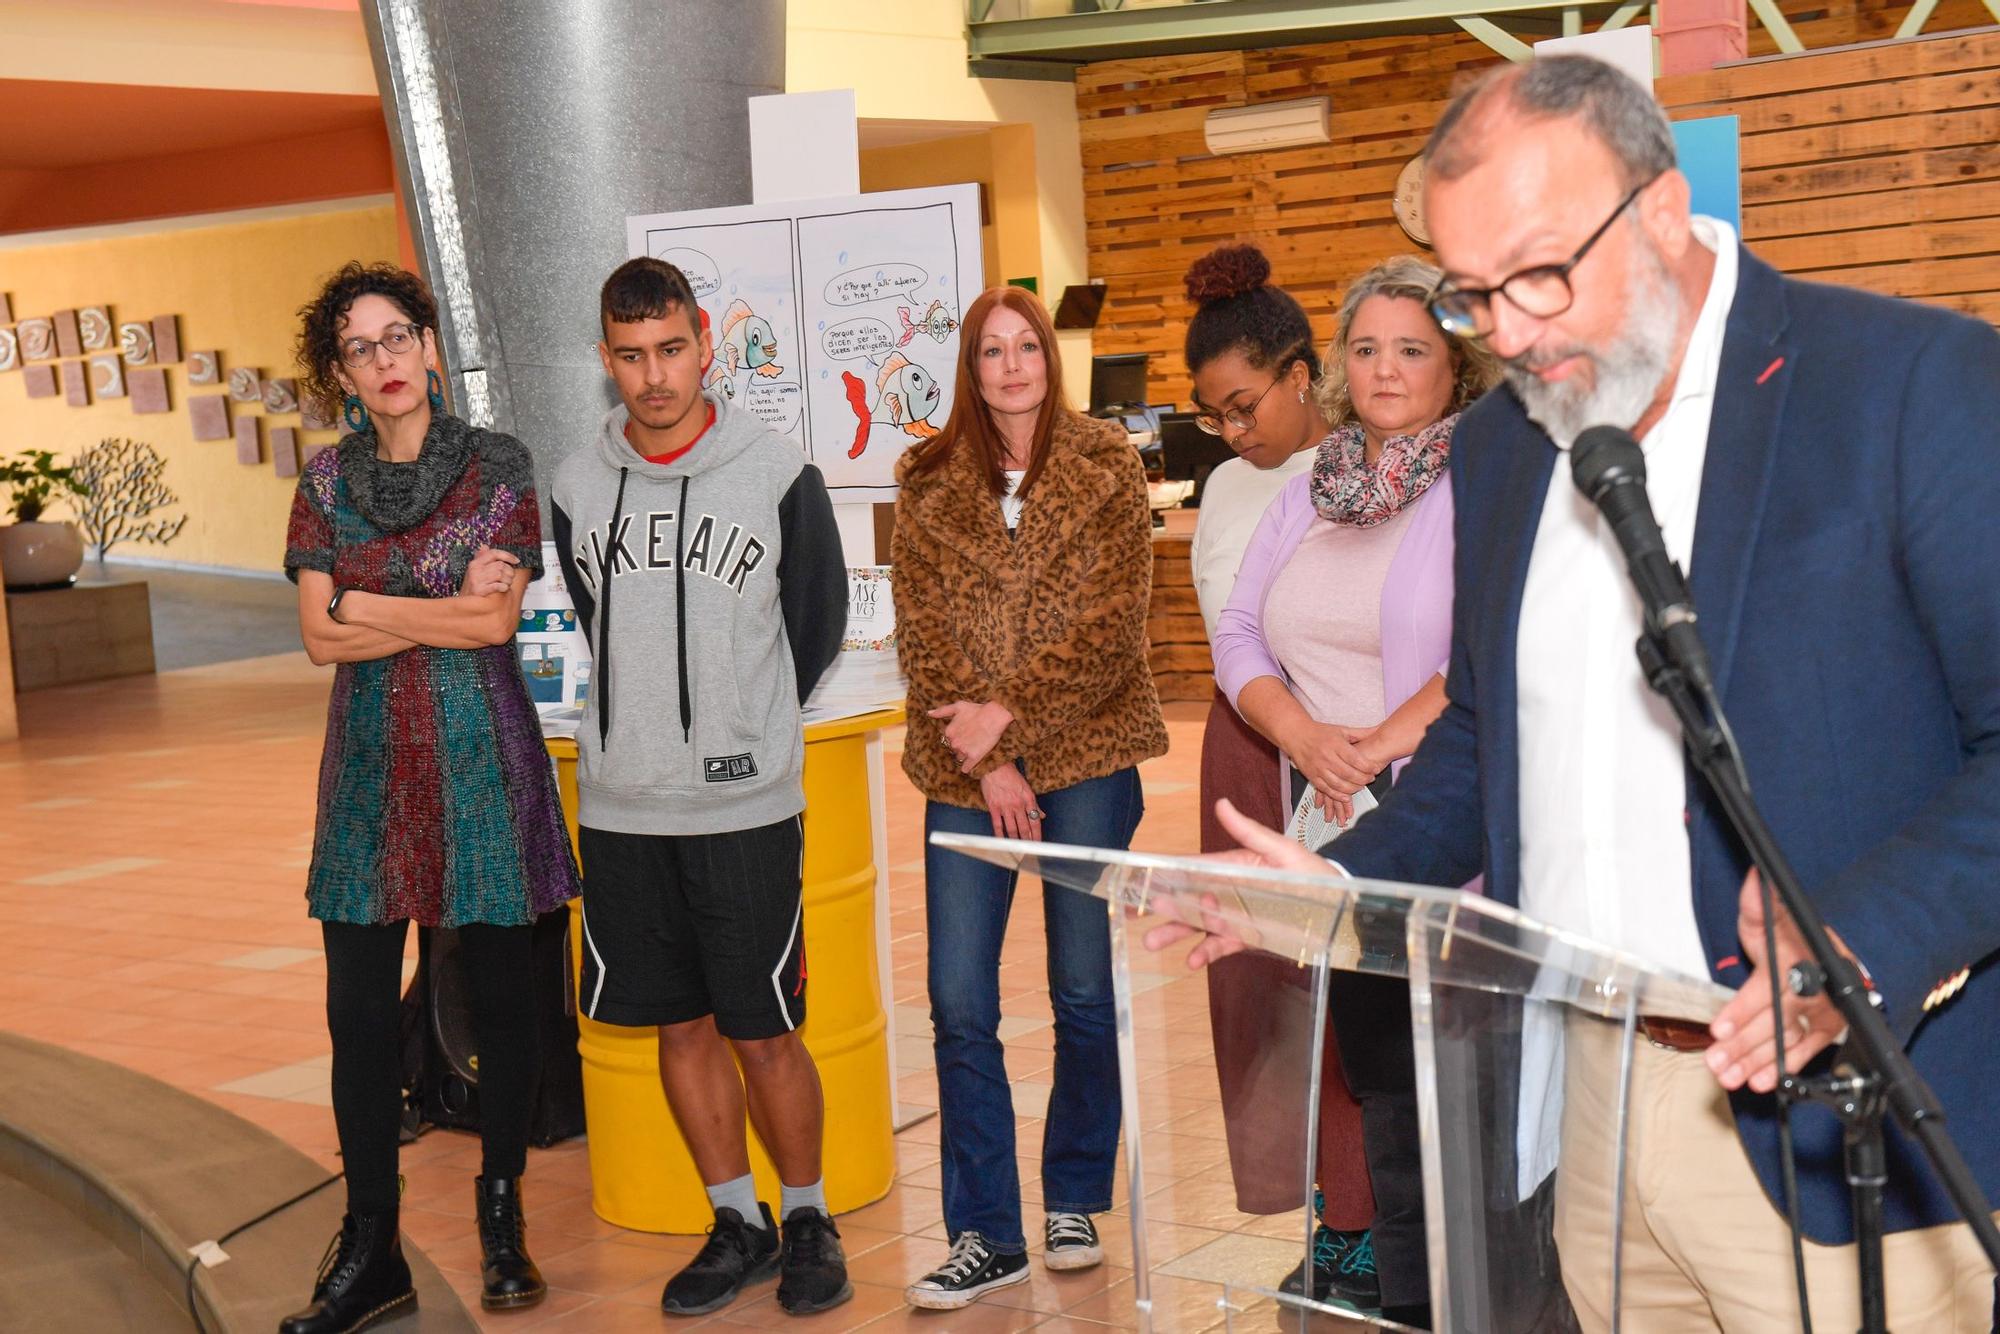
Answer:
x=333 y=606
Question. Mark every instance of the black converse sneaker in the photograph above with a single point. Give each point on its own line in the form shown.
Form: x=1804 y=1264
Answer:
x=735 y=1256
x=1071 y=1242
x=971 y=1271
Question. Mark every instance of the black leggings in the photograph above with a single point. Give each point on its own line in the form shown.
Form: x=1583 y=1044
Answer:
x=364 y=983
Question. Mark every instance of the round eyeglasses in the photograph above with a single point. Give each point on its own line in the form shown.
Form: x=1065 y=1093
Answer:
x=1542 y=292
x=397 y=338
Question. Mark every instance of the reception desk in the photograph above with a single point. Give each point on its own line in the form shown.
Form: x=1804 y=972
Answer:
x=642 y=1176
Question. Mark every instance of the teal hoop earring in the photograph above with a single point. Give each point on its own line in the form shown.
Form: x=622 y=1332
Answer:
x=354 y=414
x=435 y=383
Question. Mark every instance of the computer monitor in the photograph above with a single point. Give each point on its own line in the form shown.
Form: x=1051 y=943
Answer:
x=1188 y=453
x=1117 y=380
x=1080 y=306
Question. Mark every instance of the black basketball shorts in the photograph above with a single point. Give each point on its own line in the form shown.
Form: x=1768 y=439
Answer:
x=680 y=926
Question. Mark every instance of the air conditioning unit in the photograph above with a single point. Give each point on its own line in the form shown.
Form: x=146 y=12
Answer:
x=1268 y=125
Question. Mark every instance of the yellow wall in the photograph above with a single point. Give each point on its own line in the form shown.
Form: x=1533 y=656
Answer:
x=236 y=286
x=187 y=44
x=1010 y=237
x=906 y=61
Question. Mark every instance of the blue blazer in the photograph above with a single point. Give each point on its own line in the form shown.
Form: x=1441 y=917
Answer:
x=1846 y=568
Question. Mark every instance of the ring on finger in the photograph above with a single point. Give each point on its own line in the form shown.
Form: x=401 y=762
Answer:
x=1034 y=815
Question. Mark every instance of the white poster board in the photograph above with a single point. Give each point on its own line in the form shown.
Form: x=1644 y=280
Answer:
x=835 y=320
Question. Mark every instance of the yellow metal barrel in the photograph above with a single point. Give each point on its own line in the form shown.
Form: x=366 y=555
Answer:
x=641 y=1174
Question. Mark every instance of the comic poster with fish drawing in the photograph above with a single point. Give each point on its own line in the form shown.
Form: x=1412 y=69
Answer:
x=742 y=277
x=836 y=320
x=885 y=287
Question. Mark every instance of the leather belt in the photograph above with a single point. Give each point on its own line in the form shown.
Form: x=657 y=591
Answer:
x=1675 y=1034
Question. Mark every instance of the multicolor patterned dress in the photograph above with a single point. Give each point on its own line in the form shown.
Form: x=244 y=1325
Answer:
x=437 y=803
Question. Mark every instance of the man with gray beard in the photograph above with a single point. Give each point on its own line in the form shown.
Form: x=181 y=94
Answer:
x=1825 y=464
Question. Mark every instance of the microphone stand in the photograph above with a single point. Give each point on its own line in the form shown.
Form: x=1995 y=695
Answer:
x=1873 y=1075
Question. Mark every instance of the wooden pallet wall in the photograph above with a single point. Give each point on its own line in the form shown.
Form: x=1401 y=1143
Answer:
x=1877 y=166
x=1830 y=23
x=1155 y=200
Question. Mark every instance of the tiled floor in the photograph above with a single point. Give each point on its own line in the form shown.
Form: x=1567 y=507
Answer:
x=153 y=835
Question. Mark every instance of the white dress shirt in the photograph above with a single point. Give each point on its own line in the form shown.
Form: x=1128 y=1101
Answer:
x=1604 y=839
x=1233 y=499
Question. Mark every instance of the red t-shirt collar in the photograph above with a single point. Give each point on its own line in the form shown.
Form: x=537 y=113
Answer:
x=683 y=450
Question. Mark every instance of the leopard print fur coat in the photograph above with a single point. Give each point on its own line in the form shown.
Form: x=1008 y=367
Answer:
x=1050 y=622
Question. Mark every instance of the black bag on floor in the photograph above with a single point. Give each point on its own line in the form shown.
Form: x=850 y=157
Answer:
x=441 y=1053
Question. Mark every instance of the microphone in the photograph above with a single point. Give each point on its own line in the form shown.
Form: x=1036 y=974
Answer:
x=1608 y=466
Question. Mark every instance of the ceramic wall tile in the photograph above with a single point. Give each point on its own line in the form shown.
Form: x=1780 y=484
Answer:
x=94 y=325
x=166 y=339
x=107 y=376
x=76 y=383
x=148 y=387
x=209 y=415
x=69 y=342
x=135 y=340
x=38 y=339
x=285 y=451
x=248 y=448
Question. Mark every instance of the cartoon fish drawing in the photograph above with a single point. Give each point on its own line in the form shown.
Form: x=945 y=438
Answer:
x=936 y=321
x=906 y=397
x=747 y=343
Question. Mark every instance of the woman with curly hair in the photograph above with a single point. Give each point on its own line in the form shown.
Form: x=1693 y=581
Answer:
x=1333 y=646
x=412 y=542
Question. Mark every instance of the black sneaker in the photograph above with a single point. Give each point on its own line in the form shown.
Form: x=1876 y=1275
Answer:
x=1070 y=1242
x=971 y=1271
x=735 y=1256
x=1343 y=1270
x=814 y=1270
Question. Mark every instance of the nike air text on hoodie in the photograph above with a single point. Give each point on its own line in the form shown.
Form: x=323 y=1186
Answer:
x=714 y=594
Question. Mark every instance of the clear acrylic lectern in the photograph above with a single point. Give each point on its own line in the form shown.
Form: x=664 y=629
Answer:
x=1496 y=999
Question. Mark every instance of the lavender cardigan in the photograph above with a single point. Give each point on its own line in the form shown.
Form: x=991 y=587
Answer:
x=1416 y=596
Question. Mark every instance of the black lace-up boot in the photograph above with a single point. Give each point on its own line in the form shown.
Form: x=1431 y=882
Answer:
x=362 y=1279
x=508 y=1278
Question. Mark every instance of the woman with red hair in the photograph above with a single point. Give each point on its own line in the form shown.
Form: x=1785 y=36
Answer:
x=1023 y=569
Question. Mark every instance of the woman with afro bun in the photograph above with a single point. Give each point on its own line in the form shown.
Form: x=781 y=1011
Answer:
x=1250 y=351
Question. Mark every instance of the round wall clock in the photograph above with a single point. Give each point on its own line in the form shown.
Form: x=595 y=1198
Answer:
x=1409 y=201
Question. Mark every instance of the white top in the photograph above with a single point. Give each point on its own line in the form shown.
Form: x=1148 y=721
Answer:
x=1232 y=501
x=1010 y=504
x=1604 y=838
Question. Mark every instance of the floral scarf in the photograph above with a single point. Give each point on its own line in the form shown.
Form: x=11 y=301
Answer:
x=1347 y=489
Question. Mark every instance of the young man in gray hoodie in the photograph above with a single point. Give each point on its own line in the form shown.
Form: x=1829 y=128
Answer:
x=701 y=551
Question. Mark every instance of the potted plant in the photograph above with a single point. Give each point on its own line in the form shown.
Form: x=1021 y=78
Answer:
x=33 y=553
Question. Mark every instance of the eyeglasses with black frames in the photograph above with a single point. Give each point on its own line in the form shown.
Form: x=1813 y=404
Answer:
x=1542 y=292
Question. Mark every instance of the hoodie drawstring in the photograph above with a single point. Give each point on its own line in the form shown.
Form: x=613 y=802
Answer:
x=680 y=612
x=601 y=685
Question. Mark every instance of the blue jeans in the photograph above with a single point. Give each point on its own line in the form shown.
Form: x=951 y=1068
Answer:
x=966 y=905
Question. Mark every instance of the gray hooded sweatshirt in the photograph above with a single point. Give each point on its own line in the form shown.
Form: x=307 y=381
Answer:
x=714 y=594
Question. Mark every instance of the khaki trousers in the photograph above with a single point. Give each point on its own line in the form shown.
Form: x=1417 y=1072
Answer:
x=1704 y=1249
